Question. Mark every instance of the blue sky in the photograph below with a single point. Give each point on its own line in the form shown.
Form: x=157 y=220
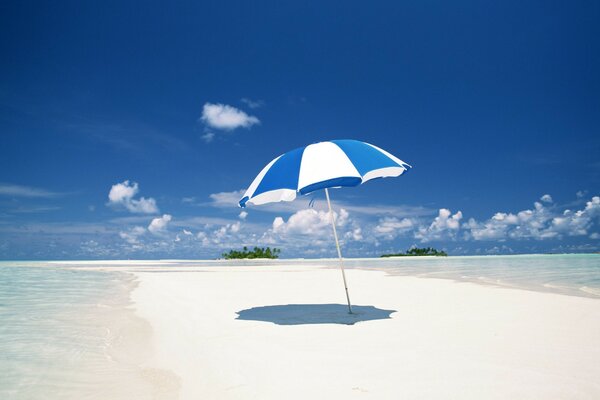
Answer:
x=175 y=108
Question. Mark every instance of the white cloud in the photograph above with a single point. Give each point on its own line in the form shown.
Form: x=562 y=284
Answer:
x=495 y=228
x=226 y=234
x=308 y=232
x=25 y=191
x=132 y=236
x=391 y=227
x=121 y=194
x=546 y=198
x=576 y=223
x=309 y=222
x=224 y=117
x=539 y=223
x=159 y=225
x=235 y=228
x=444 y=226
x=354 y=234
x=277 y=223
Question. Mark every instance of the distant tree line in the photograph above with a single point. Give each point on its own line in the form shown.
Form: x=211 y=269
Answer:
x=415 y=251
x=257 y=252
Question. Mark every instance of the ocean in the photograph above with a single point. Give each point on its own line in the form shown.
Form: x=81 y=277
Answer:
x=68 y=330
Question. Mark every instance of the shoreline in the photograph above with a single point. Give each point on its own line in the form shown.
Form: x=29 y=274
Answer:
x=444 y=337
x=573 y=275
x=129 y=347
x=158 y=261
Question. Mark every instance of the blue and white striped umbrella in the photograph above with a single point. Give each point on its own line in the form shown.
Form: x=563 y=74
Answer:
x=321 y=165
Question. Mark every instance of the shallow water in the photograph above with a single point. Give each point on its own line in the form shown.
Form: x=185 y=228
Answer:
x=571 y=274
x=70 y=334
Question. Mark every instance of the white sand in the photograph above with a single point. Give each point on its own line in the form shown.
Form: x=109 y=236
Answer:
x=446 y=340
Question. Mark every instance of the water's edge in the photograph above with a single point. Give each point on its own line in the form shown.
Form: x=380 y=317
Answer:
x=570 y=274
x=72 y=334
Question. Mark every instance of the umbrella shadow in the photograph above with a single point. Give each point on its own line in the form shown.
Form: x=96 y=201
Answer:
x=305 y=314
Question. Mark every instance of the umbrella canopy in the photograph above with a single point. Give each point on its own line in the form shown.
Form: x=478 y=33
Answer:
x=323 y=165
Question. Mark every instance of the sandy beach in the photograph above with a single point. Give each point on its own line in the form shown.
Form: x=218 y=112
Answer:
x=272 y=332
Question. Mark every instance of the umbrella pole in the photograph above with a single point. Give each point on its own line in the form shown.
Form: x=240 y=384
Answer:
x=337 y=244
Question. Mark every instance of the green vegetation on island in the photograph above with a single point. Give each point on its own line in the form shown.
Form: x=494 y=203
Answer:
x=426 y=251
x=257 y=252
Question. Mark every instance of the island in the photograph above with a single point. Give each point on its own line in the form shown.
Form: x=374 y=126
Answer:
x=257 y=252
x=415 y=251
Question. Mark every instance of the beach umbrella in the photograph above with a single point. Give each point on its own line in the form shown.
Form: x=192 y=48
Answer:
x=331 y=164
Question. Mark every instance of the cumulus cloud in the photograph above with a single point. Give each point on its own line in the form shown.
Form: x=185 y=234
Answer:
x=225 y=235
x=495 y=228
x=576 y=223
x=159 y=225
x=132 y=235
x=541 y=222
x=444 y=226
x=227 y=118
x=308 y=232
x=545 y=220
x=308 y=222
x=122 y=194
x=354 y=234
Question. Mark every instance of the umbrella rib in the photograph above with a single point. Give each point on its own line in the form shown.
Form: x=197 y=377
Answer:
x=339 y=251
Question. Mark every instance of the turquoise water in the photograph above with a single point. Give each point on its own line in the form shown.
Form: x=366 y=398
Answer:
x=68 y=329
x=571 y=274
x=60 y=335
